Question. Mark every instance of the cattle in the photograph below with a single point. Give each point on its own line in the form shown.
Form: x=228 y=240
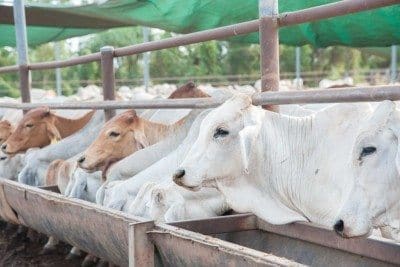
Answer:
x=375 y=160
x=41 y=127
x=138 y=195
x=294 y=168
x=37 y=162
x=5 y=130
x=120 y=137
x=11 y=166
x=167 y=202
x=83 y=185
x=127 y=133
x=188 y=90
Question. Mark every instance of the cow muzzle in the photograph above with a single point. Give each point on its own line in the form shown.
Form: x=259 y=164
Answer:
x=339 y=227
x=179 y=177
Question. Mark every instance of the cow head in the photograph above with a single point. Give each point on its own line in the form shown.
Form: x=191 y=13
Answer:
x=374 y=198
x=120 y=137
x=5 y=130
x=36 y=129
x=188 y=90
x=166 y=204
x=224 y=146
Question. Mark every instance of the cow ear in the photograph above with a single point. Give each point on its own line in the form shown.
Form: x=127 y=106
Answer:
x=248 y=137
x=46 y=112
x=158 y=196
x=53 y=133
x=383 y=112
x=131 y=116
x=141 y=140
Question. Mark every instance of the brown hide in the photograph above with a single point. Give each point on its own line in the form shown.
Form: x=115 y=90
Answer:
x=40 y=127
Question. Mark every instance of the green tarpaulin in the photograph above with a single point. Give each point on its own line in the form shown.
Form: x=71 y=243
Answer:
x=380 y=27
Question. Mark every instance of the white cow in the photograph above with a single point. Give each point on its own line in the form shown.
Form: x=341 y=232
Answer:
x=120 y=194
x=281 y=168
x=84 y=185
x=179 y=205
x=167 y=202
x=374 y=199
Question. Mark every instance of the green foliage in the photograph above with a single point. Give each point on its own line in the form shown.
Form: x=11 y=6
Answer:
x=204 y=59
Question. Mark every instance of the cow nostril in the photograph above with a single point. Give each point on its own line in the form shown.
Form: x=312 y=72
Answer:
x=339 y=226
x=179 y=174
x=4 y=147
x=81 y=159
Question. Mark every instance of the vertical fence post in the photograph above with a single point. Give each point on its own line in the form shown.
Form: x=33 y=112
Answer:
x=299 y=81
x=269 y=46
x=108 y=77
x=22 y=47
x=57 y=51
x=393 y=65
x=146 y=60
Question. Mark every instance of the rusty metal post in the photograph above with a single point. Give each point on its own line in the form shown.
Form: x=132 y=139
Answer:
x=25 y=83
x=108 y=77
x=22 y=47
x=269 y=46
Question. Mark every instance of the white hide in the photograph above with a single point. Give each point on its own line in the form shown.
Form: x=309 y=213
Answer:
x=294 y=168
x=374 y=199
x=120 y=194
x=167 y=202
x=82 y=184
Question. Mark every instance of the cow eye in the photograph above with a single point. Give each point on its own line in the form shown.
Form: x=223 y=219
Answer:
x=219 y=132
x=29 y=125
x=367 y=151
x=114 y=134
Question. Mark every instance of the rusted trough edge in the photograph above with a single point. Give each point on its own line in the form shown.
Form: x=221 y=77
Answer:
x=50 y=188
x=376 y=248
x=219 y=225
x=372 y=247
x=122 y=220
x=383 y=250
x=48 y=195
x=205 y=243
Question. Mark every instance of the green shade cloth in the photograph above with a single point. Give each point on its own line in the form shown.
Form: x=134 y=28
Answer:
x=380 y=27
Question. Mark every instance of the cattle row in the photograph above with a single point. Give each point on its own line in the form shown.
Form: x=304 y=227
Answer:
x=335 y=165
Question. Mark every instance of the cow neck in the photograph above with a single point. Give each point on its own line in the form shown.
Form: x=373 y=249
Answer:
x=298 y=158
x=153 y=131
x=189 y=118
x=66 y=126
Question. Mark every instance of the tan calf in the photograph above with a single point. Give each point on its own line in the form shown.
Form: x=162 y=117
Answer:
x=40 y=127
x=127 y=133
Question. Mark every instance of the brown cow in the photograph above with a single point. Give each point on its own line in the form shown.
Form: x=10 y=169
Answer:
x=40 y=127
x=121 y=136
x=189 y=90
x=6 y=130
x=127 y=133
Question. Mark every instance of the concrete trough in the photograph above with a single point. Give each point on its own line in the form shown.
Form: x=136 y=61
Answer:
x=236 y=240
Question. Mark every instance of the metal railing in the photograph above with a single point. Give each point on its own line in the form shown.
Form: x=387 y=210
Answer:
x=267 y=25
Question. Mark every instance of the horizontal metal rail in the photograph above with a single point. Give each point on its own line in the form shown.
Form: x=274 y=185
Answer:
x=285 y=19
x=9 y=69
x=336 y=9
x=348 y=94
x=65 y=63
x=191 y=38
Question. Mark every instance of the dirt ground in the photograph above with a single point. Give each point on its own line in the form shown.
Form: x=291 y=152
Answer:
x=17 y=250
